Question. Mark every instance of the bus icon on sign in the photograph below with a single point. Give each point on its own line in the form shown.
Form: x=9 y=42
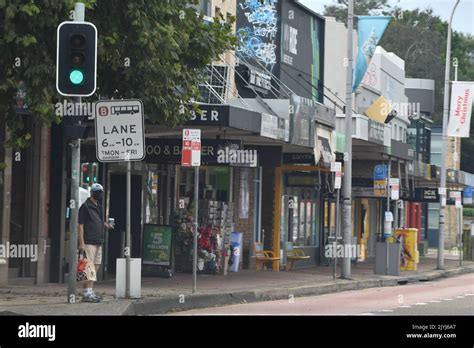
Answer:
x=125 y=109
x=103 y=111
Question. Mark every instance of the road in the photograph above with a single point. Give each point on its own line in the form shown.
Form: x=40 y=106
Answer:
x=451 y=296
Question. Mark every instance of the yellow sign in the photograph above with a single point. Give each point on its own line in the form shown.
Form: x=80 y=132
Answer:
x=380 y=188
x=410 y=256
x=379 y=110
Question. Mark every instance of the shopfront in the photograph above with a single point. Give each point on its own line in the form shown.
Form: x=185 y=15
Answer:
x=307 y=214
x=170 y=200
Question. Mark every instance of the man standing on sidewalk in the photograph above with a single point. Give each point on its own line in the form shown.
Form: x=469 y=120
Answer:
x=91 y=235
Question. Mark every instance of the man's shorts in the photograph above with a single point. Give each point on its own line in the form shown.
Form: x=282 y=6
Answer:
x=94 y=253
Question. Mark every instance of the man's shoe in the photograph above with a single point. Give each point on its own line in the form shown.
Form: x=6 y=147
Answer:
x=97 y=296
x=90 y=298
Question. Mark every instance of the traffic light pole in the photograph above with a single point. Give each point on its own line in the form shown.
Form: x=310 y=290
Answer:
x=347 y=185
x=79 y=14
x=442 y=184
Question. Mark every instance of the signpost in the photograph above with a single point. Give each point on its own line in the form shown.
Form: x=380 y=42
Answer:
x=191 y=157
x=395 y=188
x=380 y=180
x=120 y=137
x=191 y=150
x=336 y=167
x=119 y=128
x=467 y=199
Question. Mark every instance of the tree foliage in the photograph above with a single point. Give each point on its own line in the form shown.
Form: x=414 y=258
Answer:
x=419 y=38
x=155 y=50
x=366 y=7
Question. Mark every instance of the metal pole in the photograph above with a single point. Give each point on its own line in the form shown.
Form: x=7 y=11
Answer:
x=260 y=178
x=443 y=147
x=388 y=209
x=74 y=209
x=196 y=207
x=347 y=193
x=337 y=232
x=461 y=246
x=128 y=230
x=79 y=15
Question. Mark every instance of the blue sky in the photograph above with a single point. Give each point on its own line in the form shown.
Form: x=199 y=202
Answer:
x=463 y=17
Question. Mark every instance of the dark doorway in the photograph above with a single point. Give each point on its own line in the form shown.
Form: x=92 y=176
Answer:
x=117 y=210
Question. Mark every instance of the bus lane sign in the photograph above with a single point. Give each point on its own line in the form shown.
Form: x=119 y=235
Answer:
x=119 y=130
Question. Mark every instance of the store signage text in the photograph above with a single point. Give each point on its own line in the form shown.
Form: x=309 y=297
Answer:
x=211 y=115
x=376 y=132
x=168 y=151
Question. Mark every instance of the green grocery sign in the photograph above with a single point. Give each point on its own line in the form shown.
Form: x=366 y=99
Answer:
x=157 y=244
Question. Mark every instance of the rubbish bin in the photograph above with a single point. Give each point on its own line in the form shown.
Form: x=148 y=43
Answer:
x=410 y=256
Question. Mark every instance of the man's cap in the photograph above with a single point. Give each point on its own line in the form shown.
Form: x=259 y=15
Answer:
x=97 y=188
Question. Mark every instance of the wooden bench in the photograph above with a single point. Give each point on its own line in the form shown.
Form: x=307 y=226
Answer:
x=263 y=256
x=293 y=255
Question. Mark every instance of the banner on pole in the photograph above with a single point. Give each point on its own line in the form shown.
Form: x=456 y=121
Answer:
x=370 y=31
x=460 y=109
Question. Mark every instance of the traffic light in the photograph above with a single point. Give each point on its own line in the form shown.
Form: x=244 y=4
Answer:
x=86 y=174
x=76 y=59
x=95 y=172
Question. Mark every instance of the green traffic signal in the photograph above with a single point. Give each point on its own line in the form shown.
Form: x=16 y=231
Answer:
x=76 y=77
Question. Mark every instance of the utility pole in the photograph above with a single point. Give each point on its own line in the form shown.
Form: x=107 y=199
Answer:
x=443 y=147
x=347 y=192
x=457 y=159
x=79 y=15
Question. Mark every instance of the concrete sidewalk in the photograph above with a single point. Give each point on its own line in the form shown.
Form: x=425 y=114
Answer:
x=162 y=295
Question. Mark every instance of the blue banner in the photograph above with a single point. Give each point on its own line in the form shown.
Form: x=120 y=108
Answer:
x=370 y=31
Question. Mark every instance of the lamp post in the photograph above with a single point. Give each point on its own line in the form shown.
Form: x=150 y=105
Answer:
x=444 y=142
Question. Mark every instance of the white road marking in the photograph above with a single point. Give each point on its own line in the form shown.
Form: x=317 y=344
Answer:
x=468 y=294
x=367 y=314
x=460 y=296
x=447 y=299
x=405 y=306
x=386 y=310
x=435 y=301
x=420 y=304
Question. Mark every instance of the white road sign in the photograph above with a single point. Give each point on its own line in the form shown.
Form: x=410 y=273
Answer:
x=395 y=188
x=337 y=180
x=336 y=166
x=119 y=130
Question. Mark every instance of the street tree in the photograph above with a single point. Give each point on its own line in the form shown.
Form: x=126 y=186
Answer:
x=367 y=7
x=155 y=50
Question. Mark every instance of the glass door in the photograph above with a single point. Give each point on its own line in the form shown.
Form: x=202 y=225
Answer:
x=289 y=222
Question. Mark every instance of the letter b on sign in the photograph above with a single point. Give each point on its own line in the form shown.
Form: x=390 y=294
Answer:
x=103 y=111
